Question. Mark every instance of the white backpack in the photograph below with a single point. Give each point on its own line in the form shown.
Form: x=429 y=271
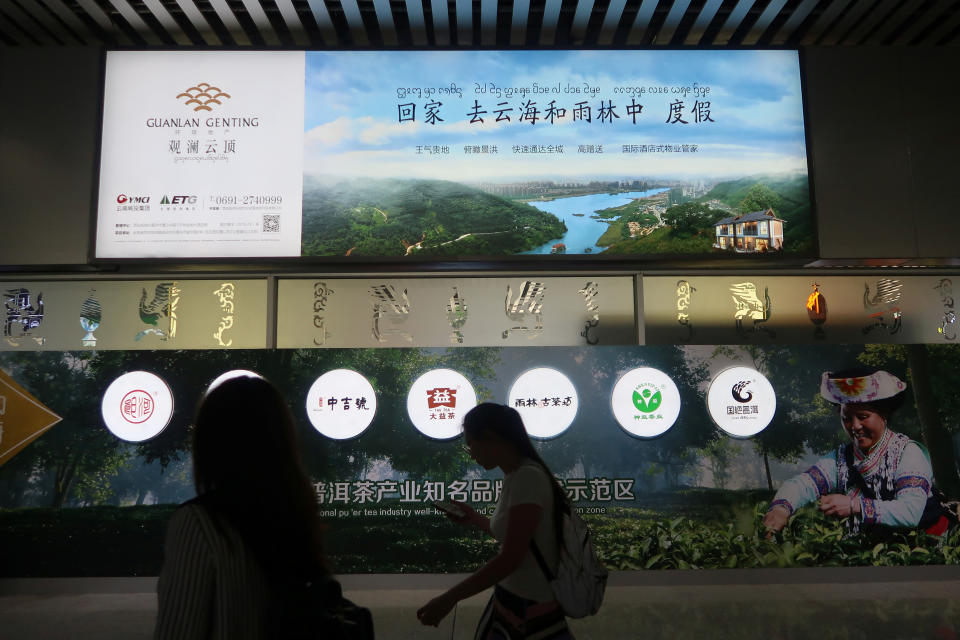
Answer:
x=581 y=578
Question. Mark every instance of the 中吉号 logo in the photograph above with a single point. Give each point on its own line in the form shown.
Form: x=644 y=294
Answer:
x=202 y=96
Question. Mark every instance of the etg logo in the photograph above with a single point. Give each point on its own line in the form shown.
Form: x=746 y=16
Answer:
x=183 y=200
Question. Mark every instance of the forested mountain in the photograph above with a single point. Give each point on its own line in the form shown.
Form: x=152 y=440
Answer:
x=419 y=218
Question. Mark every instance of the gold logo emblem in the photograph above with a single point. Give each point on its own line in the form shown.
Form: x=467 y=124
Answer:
x=202 y=96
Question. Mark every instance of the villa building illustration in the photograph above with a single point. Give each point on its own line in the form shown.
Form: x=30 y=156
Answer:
x=755 y=232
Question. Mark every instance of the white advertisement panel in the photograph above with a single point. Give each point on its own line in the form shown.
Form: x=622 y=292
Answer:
x=341 y=404
x=741 y=401
x=421 y=156
x=200 y=154
x=437 y=402
x=547 y=401
x=645 y=402
x=137 y=406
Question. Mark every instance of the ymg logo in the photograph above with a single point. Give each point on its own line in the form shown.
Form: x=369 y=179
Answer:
x=125 y=199
x=202 y=96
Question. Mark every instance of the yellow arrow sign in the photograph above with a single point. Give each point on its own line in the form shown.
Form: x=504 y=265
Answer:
x=22 y=418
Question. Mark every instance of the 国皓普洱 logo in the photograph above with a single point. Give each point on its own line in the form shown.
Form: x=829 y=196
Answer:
x=202 y=96
x=741 y=401
x=740 y=392
x=647 y=397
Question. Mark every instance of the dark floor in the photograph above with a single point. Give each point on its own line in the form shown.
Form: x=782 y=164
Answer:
x=874 y=603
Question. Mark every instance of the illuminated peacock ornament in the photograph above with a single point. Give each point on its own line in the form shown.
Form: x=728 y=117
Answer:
x=817 y=311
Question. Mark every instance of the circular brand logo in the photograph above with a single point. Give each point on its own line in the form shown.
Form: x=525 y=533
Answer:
x=738 y=391
x=437 y=402
x=645 y=401
x=741 y=401
x=647 y=398
x=341 y=404
x=137 y=406
x=547 y=401
x=121 y=199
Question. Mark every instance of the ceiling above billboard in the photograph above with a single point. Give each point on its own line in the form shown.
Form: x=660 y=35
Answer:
x=365 y=23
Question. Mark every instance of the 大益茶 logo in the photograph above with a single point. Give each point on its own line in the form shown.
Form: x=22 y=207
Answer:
x=442 y=397
x=202 y=96
x=442 y=403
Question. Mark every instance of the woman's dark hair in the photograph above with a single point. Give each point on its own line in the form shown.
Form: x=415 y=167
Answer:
x=505 y=422
x=884 y=406
x=246 y=468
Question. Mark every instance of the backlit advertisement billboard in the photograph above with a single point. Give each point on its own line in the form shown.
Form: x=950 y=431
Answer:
x=419 y=156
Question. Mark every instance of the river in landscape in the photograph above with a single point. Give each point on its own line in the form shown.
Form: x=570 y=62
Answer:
x=582 y=230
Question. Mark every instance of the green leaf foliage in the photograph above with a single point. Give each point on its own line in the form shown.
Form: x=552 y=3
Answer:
x=385 y=217
x=627 y=540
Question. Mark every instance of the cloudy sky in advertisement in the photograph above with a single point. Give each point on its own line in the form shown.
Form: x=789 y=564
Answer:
x=748 y=102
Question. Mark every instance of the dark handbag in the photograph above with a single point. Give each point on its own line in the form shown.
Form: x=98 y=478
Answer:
x=934 y=510
x=308 y=609
x=316 y=610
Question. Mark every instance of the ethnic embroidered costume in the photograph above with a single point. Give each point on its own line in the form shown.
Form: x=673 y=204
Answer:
x=897 y=469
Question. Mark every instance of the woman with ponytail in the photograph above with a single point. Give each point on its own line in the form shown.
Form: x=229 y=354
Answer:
x=529 y=512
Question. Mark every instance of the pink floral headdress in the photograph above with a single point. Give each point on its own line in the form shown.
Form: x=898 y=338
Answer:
x=846 y=390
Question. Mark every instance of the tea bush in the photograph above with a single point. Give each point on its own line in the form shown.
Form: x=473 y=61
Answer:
x=809 y=540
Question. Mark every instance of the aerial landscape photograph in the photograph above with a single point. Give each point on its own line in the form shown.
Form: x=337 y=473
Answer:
x=506 y=153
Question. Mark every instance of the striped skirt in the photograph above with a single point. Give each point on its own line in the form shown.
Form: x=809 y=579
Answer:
x=510 y=617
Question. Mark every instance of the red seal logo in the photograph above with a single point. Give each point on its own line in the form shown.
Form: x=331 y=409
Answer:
x=137 y=406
